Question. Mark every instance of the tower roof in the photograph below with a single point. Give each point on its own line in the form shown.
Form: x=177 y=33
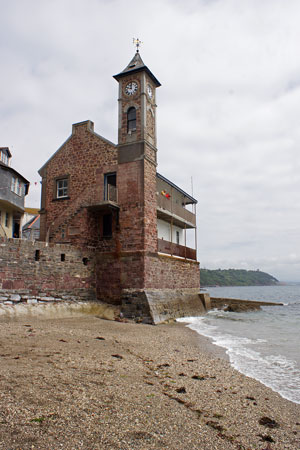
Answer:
x=137 y=65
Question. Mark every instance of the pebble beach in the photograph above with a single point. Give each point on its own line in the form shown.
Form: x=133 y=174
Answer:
x=82 y=382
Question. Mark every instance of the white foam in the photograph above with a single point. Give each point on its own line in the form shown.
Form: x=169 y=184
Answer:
x=275 y=371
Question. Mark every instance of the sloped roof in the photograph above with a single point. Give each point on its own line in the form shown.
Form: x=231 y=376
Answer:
x=188 y=196
x=6 y=149
x=33 y=223
x=33 y=211
x=90 y=128
x=137 y=65
x=10 y=169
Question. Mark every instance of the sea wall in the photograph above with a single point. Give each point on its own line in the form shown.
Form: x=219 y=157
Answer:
x=160 y=305
x=37 y=270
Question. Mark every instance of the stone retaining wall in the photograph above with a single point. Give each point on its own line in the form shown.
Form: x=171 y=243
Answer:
x=33 y=271
x=159 y=305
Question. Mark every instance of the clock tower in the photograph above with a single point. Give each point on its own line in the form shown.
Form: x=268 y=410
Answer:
x=137 y=111
x=136 y=152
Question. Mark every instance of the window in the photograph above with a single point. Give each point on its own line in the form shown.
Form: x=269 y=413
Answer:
x=7 y=220
x=20 y=188
x=4 y=158
x=16 y=186
x=13 y=184
x=107 y=225
x=62 y=188
x=110 y=187
x=131 y=119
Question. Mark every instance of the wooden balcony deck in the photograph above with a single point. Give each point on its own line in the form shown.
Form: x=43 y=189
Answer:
x=176 y=250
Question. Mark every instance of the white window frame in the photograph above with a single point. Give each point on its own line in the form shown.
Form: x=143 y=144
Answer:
x=17 y=186
x=4 y=157
x=62 y=187
x=13 y=184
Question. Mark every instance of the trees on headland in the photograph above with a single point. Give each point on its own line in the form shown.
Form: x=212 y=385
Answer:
x=236 y=277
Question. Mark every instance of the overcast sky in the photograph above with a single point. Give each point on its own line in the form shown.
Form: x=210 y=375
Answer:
x=228 y=108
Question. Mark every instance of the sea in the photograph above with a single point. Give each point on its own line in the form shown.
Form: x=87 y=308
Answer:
x=263 y=344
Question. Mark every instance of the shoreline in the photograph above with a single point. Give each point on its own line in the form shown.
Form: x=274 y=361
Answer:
x=85 y=382
x=206 y=344
x=220 y=352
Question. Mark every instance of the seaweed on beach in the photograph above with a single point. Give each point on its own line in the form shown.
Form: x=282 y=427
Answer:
x=198 y=377
x=215 y=425
x=267 y=422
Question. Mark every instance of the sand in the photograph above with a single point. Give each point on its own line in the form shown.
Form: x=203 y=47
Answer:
x=86 y=383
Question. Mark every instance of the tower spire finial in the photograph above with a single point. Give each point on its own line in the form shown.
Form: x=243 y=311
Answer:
x=137 y=43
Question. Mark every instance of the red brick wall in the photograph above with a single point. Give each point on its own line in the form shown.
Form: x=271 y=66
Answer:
x=150 y=207
x=167 y=272
x=49 y=275
x=129 y=101
x=137 y=270
x=115 y=272
x=130 y=188
x=84 y=157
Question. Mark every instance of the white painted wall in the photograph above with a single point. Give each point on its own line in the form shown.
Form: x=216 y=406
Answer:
x=164 y=232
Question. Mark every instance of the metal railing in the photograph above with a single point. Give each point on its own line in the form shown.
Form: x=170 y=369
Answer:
x=170 y=206
x=111 y=193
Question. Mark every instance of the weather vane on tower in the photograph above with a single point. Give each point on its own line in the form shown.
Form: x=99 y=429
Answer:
x=137 y=43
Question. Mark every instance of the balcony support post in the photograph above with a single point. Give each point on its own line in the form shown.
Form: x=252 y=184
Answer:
x=172 y=236
x=184 y=234
x=195 y=232
x=172 y=221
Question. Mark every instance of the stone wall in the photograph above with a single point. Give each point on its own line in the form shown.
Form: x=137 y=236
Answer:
x=159 y=305
x=35 y=269
x=168 y=272
x=82 y=159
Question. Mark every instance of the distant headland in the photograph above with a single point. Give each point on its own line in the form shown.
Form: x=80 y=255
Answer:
x=236 y=277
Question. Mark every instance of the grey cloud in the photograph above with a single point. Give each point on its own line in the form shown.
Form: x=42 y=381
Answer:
x=228 y=109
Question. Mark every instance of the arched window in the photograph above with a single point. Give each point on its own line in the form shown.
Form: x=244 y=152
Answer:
x=131 y=119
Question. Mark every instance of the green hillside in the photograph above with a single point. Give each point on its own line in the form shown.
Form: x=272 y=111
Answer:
x=235 y=277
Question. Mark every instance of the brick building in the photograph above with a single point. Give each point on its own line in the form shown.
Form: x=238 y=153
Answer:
x=108 y=197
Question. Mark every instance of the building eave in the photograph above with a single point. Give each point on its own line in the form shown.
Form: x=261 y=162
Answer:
x=139 y=69
x=40 y=171
x=191 y=199
x=10 y=169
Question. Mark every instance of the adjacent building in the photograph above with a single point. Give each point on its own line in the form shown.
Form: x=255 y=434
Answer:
x=31 y=227
x=110 y=198
x=13 y=189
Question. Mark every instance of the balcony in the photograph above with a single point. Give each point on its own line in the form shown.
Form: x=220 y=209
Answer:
x=174 y=205
x=168 y=209
x=110 y=201
x=176 y=250
x=111 y=193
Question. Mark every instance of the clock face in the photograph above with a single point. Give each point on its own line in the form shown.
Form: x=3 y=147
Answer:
x=131 y=88
x=149 y=91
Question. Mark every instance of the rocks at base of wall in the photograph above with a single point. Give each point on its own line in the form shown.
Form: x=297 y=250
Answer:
x=9 y=297
x=238 y=305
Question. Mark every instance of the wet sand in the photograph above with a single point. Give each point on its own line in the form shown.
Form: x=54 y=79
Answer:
x=88 y=383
